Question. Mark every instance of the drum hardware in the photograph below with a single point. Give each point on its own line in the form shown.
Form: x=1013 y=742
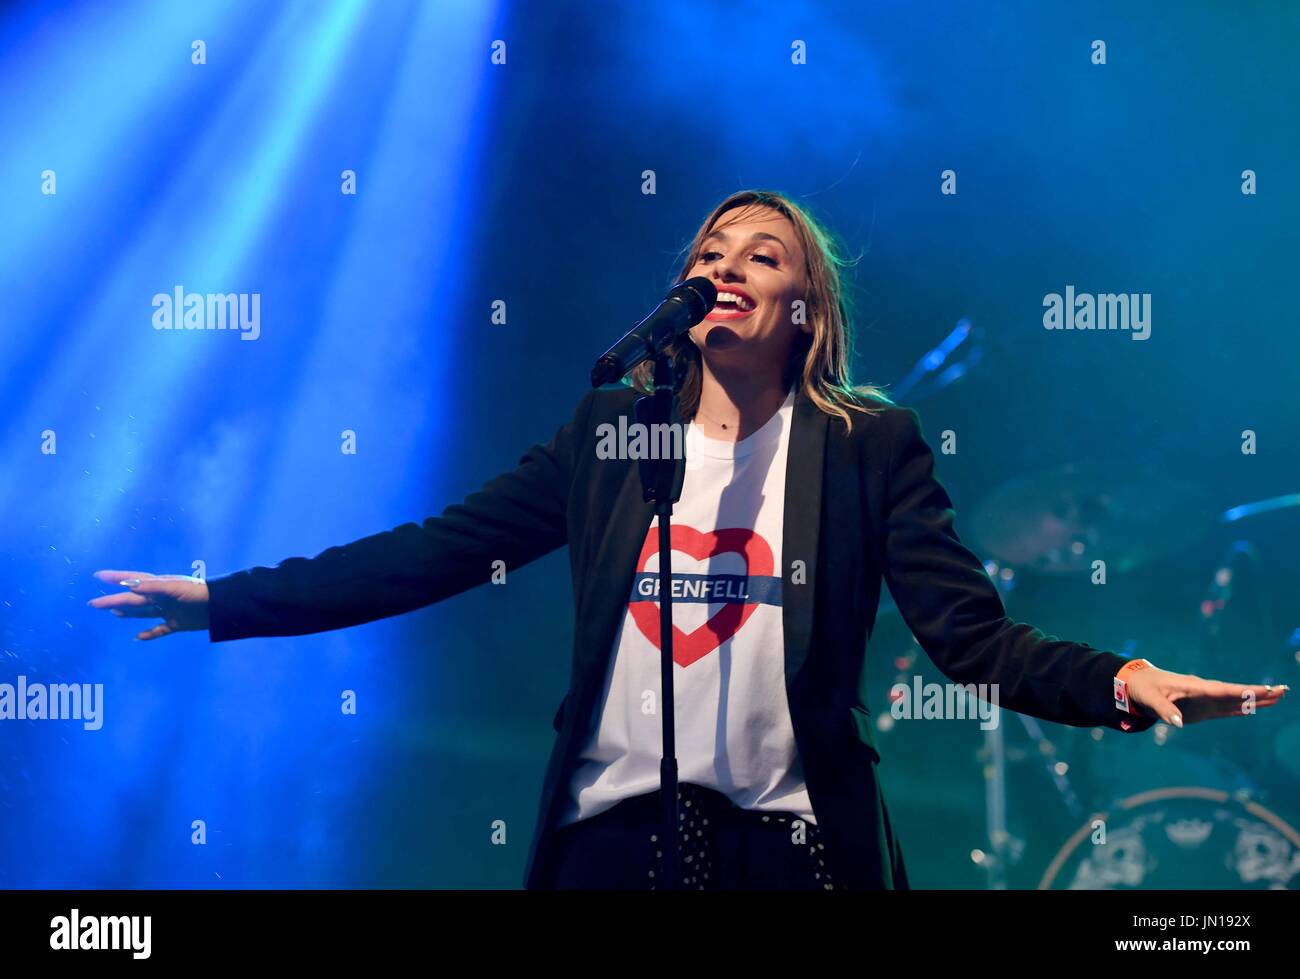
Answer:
x=1286 y=743
x=914 y=385
x=1179 y=837
x=1059 y=522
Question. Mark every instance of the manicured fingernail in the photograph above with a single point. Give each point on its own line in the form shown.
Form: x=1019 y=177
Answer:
x=1176 y=720
x=129 y=582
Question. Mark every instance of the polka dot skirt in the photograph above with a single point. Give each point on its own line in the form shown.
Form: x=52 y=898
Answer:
x=703 y=814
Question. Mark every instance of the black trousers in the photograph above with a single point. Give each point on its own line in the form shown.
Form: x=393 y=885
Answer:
x=723 y=847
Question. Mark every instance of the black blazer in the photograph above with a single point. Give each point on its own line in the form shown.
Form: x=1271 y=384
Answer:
x=859 y=506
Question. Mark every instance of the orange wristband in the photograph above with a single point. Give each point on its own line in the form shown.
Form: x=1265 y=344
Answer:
x=1121 y=684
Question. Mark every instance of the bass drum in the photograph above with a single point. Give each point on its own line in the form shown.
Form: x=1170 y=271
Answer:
x=1181 y=837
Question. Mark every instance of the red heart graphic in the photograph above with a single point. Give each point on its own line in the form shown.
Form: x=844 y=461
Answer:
x=689 y=647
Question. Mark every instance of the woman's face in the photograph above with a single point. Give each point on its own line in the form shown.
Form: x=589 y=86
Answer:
x=754 y=258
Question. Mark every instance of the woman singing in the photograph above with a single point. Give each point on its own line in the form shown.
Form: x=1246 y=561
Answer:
x=801 y=494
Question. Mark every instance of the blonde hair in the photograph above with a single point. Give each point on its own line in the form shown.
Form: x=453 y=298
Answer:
x=820 y=360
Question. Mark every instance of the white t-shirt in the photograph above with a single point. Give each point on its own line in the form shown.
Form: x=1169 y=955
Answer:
x=732 y=715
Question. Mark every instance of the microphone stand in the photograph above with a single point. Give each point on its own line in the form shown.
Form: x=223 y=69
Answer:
x=661 y=484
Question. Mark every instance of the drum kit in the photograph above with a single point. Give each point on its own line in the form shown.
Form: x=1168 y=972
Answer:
x=1094 y=808
x=1165 y=808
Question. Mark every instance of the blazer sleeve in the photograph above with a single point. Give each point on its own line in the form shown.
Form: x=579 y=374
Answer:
x=516 y=517
x=956 y=613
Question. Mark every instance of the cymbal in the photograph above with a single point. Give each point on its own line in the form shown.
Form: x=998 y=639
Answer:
x=1060 y=520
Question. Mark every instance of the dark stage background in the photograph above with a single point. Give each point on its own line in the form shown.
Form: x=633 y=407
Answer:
x=524 y=183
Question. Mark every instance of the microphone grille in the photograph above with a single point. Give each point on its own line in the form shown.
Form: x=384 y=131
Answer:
x=698 y=290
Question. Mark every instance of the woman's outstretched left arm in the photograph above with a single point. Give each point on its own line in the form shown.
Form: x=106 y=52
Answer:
x=952 y=607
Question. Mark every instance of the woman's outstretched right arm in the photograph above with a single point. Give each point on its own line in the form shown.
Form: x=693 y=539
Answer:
x=515 y=518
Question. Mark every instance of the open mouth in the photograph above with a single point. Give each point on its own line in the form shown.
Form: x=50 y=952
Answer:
x=732 y=303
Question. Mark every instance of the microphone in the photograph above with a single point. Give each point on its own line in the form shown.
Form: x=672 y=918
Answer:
x=687 y=304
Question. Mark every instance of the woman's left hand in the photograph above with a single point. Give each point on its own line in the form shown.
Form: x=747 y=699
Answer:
x=1179 y=698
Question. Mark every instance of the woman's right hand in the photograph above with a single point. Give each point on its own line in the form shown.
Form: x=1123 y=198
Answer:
x=179 y=600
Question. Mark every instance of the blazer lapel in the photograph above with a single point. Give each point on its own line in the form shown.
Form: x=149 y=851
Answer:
x=805 y=463
x=608 y=583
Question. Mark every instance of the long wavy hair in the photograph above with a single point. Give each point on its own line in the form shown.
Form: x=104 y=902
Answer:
x=820 y=360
